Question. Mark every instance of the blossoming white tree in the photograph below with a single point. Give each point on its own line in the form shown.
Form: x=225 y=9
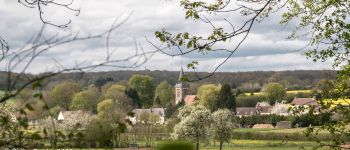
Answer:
x=194 y=125
x=222 y=125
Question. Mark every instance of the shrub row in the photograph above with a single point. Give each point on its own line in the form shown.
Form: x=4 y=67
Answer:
x=297 y=136
x=247 y=121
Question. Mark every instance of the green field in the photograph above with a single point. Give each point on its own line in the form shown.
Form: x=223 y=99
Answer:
x=271 y=130
x=263 y=145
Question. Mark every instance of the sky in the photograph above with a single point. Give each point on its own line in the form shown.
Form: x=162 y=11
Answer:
x=266 y=48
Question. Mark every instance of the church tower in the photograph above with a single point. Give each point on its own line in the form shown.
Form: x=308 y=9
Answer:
x=181 y=89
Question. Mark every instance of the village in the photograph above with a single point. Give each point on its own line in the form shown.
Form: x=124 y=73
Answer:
x=175 y=75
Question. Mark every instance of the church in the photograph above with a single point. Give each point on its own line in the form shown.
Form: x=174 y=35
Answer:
x=181 y=91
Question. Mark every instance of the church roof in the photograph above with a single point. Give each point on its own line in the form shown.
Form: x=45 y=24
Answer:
x=189 y=99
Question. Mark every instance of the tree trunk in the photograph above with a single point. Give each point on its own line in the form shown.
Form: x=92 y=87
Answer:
x=197 y=146
x=221 y=145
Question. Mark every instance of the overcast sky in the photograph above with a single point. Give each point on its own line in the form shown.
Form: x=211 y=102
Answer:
x=266 y=48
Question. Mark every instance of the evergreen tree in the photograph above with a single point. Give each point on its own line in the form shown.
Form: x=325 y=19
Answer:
x=157 y=102
x=132 y=93
x=226 y=99
x=145 y=89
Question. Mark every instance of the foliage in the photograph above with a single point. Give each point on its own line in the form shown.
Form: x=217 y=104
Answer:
x=117 y=93
x=290 y=96
x=194 y=124
x=247 y=121
x=222 y=125
x=164 y=93
x=170 y=124
x=208 y=95
x=226 y=99
x=275 y=92
x=99 y=82
x=249 y=101
x=63 y=93
x=132 y=93
x=311 y=119
x=99 y=131
x=106 y=110
x=172 y=109
x=145 y=89
x=75 y=121
x=299 y=78
x=328 y=25
x=266 y=134
x=175 y=145
x=86 y=100
x=325 y=87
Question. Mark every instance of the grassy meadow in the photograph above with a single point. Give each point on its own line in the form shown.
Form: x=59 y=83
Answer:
x=263 y=145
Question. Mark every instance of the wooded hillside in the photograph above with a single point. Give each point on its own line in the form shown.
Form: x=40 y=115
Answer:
x=247 y=81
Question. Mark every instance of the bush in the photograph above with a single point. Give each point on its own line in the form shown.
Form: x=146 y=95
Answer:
x=175 y=145
x=260 y=119
x=249 y=101
x=311 y=119
x=296 y=136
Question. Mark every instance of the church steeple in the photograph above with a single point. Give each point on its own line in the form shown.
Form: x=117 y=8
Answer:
x=180 y=88
x=181 y=75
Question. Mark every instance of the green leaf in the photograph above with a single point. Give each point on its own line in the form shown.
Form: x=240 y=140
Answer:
x=36 y=84
x=38 y=95
x=186 y=35
x=189 y=44
x=29 y=107
x=178 y=35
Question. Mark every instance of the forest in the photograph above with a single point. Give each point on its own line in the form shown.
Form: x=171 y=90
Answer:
x=246 y=81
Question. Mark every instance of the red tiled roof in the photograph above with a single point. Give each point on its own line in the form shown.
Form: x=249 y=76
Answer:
x=304 y=101
x=189 y=99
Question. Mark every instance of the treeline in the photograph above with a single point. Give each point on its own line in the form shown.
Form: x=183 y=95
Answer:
x=247 y=81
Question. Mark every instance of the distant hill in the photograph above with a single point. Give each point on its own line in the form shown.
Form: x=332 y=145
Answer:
x=248 y=81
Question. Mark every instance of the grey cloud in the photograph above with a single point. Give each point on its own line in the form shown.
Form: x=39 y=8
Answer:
x=266 y=48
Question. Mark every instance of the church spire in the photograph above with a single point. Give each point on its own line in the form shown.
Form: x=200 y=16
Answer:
x=181 y=75
x=181 y=88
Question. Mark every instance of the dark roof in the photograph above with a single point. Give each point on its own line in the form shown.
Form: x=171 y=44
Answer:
x=264 y=109
x=304 y=101
x=245 y=111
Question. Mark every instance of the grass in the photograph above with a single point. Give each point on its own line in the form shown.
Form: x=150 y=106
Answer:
x=288 y=92
x=262 y=145
x=271 y=130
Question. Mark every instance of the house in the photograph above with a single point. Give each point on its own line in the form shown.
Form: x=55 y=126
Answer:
x=246 y=111
x=280 y=109
x=263 y=108
x=305 y=103
x=154 y=111
x=69 y=119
